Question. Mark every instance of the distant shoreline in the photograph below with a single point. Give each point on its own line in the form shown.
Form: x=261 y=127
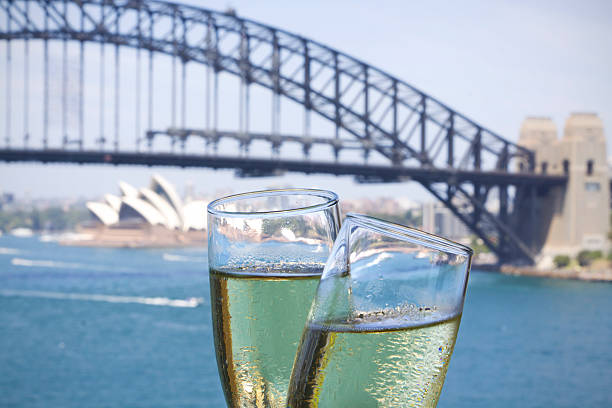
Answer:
x=144 y=237
x=590 y=274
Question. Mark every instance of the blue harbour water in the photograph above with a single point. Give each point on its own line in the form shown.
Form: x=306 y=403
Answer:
x=91 y=327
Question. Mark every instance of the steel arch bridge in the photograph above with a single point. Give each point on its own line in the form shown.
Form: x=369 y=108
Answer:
x=381 y=128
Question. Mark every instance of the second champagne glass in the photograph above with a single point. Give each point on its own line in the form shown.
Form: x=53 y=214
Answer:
x=384 y=320
x=266 y=253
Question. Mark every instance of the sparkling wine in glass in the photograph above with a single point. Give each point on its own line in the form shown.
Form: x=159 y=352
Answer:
x=266 y=253
x=384 y=320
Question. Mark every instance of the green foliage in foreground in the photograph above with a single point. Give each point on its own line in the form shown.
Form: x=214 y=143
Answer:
x=561 y=261
x=48 y=219
x=585 y=257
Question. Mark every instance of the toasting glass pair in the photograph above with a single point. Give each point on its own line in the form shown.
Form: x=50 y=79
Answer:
x=308 y=314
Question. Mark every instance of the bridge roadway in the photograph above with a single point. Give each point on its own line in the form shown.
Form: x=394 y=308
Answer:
x=259 y=166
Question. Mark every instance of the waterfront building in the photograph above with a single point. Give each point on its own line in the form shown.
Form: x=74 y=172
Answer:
x=576 y=215
x=438 y=219
x=159 y=204
x=153 y=216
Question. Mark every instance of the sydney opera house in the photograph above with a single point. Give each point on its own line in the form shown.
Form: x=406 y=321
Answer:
x=147 y=217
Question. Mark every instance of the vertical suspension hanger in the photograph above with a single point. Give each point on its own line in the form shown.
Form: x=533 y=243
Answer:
x=138 y=70
x=65 y=83
x=247 y=103
x=7 y=136
x=275 y=94
x=366 y=110
x=216 y=111
x=26 y=83
x=117 y=79
x=82 y=81
x=46 y=83
x=209 y=62
x=173 y=88
x=216 y=92
x=183 y=85
x=150 y=92
x=245 y=86
x=102 y=139
x=307 y=104
x=242 y=136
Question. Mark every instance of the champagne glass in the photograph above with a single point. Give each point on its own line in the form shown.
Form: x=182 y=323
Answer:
x=266 y=253
x=383 y=324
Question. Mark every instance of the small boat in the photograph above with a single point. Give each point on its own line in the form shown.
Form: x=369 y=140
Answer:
x=22 y=232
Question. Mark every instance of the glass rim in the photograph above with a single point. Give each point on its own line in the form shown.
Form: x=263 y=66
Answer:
x=409 y=234
x=330 y=197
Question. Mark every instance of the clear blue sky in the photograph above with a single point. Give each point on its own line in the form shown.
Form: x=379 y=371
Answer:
x=497 y=62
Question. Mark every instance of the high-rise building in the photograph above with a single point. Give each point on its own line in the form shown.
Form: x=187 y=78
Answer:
x=439 y=220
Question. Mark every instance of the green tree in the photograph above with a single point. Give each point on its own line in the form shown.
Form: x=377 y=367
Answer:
x=585 y=257
x=48 y=219
x=561 y=261
x=478 y=245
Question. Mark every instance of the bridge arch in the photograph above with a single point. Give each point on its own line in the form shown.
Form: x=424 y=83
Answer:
x=418 y=137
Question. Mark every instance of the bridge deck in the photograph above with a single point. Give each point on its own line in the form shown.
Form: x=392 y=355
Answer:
x=264 y=166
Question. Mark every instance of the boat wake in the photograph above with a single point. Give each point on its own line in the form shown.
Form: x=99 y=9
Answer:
x=8 y=251
x=183 y=258
x=152 y=301
x=43 y=263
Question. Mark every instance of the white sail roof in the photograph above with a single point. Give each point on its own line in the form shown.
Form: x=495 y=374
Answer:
x=103 y=212
x=195 y=215
x=144 y=209
x=165 y=209
x=166 y=190
x=114 y=201
x=158 y=205
x=127 y=190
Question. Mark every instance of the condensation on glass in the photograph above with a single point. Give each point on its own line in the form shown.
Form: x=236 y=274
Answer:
x=266 y=253
x=384 y=321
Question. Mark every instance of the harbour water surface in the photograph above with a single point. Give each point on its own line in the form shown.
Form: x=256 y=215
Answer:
x=91 y=327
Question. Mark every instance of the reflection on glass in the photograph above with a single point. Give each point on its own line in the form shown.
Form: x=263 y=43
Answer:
x=384 y=321
x=266 y=254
